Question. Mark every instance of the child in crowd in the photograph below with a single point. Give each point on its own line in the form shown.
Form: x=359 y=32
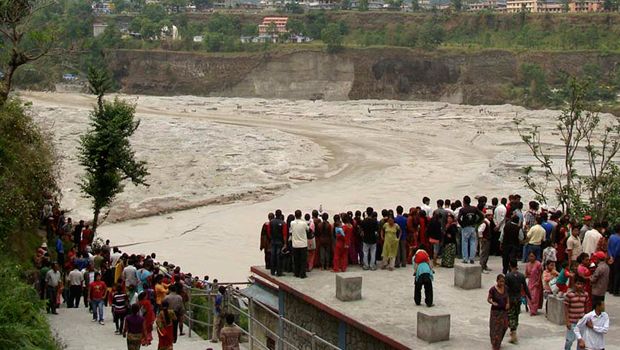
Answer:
x=549 y=254
x=423 y=272
x=563 y=278
x=549 y=278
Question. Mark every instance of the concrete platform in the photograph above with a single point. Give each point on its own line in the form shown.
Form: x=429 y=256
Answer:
x=388 y=308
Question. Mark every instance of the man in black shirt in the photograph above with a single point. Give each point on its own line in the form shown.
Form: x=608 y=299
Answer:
x=279 y=234
x=469 y=217
x=515 y=282
x=370 y=229
x=510 y=242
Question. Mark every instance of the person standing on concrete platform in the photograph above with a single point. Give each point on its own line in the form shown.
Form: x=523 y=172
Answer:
x=485 y=230
x=423 y=273
x=265 y=240
x=591 y=238
x=469 y=217
x=323 y=236
x=533 y=273
x=600 y=277
x=592 y=327
x=613 y=249
x=279 y=235
x=509 y=243
x=535 y=236
x=575 y=305
x=370 y=227
x=449 y=243
x=498 y=321
x=401 y=221
x=390 y=234
x=515 y=281
x=299 y=235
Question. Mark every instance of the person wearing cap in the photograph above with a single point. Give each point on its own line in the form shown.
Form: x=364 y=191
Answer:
x=587 y=221
x=591 y=238
x=600 y=277
x=484 y=236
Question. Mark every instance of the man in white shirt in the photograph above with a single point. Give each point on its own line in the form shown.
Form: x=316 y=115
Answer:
x=591 y=238
x=299 y=237
x=130 y=275
x=76 y=280
x=116 y=254
x=426 y=207
x=499 y=215
x=592 y=327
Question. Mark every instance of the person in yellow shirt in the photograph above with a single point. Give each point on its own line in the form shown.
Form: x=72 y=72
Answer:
x=534 y=238
x=161 y=290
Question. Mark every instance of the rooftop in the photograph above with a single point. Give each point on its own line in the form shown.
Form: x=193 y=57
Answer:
x=387 y=308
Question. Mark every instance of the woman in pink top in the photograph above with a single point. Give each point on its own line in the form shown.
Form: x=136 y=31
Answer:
x=533 y=273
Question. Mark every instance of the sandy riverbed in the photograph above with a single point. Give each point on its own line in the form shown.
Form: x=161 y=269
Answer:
x=236 y=159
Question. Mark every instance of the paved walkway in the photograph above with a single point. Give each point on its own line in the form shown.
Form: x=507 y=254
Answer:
x=76 y=331
x=387 y=306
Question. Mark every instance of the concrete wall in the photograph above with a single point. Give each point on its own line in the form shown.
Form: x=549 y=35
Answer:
x=324 y=325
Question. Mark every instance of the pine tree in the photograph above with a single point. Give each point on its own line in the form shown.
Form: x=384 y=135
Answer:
x=105 y=150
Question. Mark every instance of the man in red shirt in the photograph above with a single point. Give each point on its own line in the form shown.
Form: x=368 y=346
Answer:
x=97 y=292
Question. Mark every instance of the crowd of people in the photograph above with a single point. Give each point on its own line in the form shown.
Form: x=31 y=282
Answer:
x=573 y=258
x=143 y=295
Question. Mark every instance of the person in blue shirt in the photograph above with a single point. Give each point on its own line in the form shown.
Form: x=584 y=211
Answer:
x=423 y=272
x=400 y=220
x=613 y=250
x=548 y=229
x=60 y=251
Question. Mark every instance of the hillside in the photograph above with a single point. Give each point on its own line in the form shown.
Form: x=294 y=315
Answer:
x=458 y=76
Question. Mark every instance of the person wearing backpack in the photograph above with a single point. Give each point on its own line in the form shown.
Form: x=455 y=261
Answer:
x=469 y=217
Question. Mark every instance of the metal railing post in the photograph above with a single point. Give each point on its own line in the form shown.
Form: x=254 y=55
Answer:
x=313 y=340
x=280 y=344
x=250 y=321
x=189 y=312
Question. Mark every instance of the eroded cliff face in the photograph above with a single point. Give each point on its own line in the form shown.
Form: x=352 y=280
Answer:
x=473 y=78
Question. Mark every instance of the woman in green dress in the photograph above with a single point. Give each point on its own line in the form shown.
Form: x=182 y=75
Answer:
x=390 y=234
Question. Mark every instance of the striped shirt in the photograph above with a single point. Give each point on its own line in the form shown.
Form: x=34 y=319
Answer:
x=575 y=304
x=119 y=303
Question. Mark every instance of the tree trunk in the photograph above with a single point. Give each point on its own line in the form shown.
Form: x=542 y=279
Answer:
x=95 y=220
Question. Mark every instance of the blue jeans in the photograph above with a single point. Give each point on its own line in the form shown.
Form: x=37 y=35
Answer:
x=97 y=306
x=570 y=337
x=370 y=251
x=468 y=240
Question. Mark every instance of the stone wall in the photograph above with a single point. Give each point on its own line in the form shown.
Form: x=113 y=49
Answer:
x=324 y=325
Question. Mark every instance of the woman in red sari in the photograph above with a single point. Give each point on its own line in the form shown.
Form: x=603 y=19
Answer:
x=149 y=318
x=165 y=327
